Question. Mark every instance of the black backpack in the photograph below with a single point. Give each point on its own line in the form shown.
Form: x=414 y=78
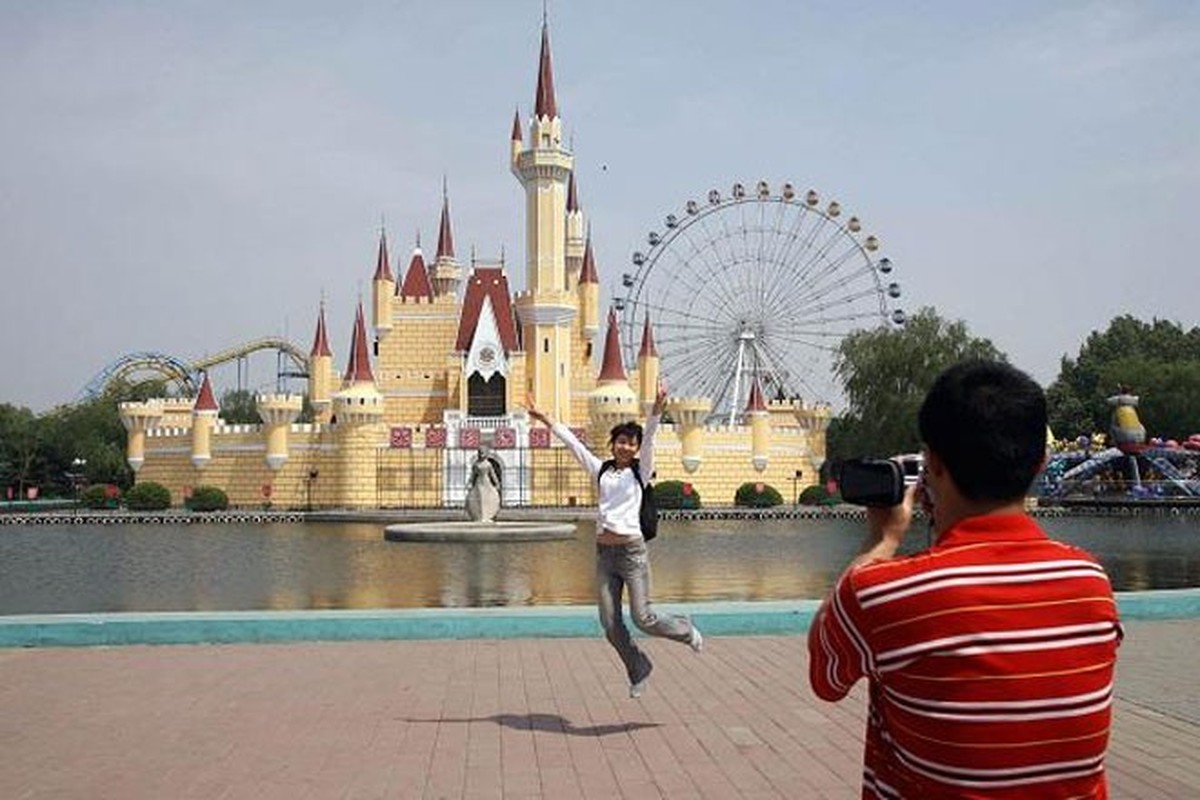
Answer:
x=648 y=511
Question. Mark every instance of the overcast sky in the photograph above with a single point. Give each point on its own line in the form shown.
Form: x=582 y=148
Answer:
x=184 y=176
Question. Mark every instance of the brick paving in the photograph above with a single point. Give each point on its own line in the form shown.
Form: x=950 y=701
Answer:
x=475 y=719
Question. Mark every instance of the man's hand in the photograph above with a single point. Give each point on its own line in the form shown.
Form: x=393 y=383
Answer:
x=886 y=528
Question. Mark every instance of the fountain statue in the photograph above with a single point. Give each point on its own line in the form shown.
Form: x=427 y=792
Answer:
x=483 y=487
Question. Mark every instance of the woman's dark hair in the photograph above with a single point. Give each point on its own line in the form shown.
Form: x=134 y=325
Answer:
x=986 y=421
x=630 y=429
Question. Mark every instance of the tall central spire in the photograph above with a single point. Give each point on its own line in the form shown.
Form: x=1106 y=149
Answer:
x=544 y=105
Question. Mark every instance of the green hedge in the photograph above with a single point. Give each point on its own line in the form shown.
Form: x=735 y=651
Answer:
x=208 y=498
x=148 y=496
x=676 y=494
x=100 y=496
x=817 y=496
x=757 y=495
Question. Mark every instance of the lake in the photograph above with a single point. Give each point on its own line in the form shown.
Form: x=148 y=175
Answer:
x=107 y=568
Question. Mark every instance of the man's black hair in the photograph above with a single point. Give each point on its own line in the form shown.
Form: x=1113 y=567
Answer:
x=986 y=421
x=630 y=429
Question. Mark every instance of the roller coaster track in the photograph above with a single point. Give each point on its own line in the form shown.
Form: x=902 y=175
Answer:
x=186 y=375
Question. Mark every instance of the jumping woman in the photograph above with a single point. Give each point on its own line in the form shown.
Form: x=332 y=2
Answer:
x=622 y=560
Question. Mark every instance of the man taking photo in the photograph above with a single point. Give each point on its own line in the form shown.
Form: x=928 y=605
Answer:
x=989 y=656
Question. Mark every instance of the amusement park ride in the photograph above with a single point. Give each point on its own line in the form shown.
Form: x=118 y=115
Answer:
x=183 y=378
x=1131 y=470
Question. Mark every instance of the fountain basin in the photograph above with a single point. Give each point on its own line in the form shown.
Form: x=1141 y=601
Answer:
x=502 y=531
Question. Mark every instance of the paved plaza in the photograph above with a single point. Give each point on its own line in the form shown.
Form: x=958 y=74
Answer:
x=505 y=718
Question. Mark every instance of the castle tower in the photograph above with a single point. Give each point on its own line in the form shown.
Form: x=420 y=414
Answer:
x=546 y=309
x=204 y=417
x=446 y=272
x=320 y=373
x=814 y=421
x=383 y=286
x=760 y=427
x=690 y=414
x=612 y=401
x=278 y=412
x=358 y=409
x=587 y=325
x=575 y=235
x=648 y=369
x=517 y=139
x=137 y=419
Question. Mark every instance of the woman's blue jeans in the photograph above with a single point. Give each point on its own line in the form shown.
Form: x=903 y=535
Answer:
x=621 y=566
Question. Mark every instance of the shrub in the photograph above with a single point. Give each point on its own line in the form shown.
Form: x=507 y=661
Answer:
x=817 y=496
x=100 y=495
x=148 y=496
x=757 y=495
x=208 y=498
x=676 y=494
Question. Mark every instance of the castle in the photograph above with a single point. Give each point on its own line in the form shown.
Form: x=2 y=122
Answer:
x=446 y=368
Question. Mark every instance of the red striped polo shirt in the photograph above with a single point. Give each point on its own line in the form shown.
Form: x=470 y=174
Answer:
x=990 y=664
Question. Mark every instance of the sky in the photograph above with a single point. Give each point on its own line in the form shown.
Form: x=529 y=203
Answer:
x=182 y=177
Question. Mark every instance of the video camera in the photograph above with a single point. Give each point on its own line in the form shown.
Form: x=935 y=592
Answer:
x=878 y=482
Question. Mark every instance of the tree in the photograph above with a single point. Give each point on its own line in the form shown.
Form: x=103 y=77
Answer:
x=21 y=457
x=885 y=373
x=1158 y=360
x=238 y=407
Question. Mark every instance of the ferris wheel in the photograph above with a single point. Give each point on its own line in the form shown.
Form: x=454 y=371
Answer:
x=756 y=286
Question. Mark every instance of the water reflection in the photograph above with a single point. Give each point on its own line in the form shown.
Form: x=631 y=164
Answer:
x=80 y=568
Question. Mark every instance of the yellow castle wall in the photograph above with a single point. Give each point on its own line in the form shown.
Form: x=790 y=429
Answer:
x=410 y=368
x=355 y=469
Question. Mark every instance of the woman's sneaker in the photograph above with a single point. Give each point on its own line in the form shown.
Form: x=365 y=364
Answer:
x=696 y=642
x=636 y=687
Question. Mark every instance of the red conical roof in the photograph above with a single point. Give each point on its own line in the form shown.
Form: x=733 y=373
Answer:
x=544 y=105
x=516 y=131
x=321 y=341
x=358 y=368
x=588 y=272
x=416 y=280
x=611 y=368
x=755 y=403
x=445 y=237
x=572 y=199
x=383 y=269
x=205 y=400
x=648 y=348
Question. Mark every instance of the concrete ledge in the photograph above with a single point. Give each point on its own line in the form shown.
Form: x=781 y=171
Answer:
x=790 y=617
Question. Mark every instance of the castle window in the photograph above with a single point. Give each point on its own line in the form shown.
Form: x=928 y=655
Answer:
x=545 y=345
x=589 y=349
x=545 y=140
x=376 y=348
x=486 y=398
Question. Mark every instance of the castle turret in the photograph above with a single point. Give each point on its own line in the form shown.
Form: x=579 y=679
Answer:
x=575 y=235
x=137 y=419
x=416 y=284
x=383 y=286
x=648 y=369
x=546 y=309
x=320 y=373
x=446 y=272
x=204 y=417
x=690 y=415
x=517 y=140
x=278 y=412
x=814 y=421
x=760 y=428
x=358 y=409
x=589 y=292
x=612 y=401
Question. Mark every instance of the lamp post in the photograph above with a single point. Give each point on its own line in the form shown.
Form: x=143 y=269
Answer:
x=796 y=487
x=77 y=476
